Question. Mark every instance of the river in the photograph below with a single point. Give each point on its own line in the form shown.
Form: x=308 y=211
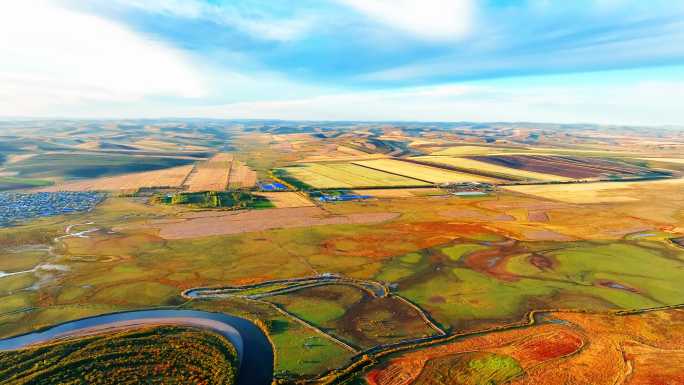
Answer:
x=255 y=352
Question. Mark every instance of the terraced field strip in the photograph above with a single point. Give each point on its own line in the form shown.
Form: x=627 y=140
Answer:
x=211 y=175
x=489 y=169
x=349 y=175
x=421 y=172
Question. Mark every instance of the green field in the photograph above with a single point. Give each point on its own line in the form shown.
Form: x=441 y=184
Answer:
x=216 y=199
x=78 y=166
x=12 y=183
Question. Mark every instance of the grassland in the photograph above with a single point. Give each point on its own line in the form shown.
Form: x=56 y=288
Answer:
x=13 y=183
x=81 y=166
x=421 y=172
x=346 y=175
x=153 y=355
x=568 y=347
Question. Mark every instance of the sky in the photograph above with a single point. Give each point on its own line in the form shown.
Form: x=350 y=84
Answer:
x=579 y=61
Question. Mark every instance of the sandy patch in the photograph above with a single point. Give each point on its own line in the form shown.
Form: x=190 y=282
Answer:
x=287 y=199
x=227 y=223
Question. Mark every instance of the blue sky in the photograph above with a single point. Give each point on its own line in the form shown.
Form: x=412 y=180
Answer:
x=604 y=61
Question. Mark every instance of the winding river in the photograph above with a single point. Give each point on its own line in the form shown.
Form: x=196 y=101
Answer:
x=255 y=352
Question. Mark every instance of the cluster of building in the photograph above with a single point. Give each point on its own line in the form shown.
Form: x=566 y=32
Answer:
x=21 y=206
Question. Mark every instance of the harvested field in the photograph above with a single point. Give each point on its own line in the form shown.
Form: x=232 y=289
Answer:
x=665 y=160
x=259 y=220
x=399 y=192
x=287 y=199
x=602 y=192
x=170 y=177
x=421 y=172
x=466 y=150
x=471 y=214
x=241 y=176
x=565 y=166
x=490 y=169
x=211 y=175
x=347 y=175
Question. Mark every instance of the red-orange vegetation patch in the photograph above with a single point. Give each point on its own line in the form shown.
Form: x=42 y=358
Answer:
x=653 y=366
x=544 y=347
x=400 y=372
x=493 y=262
x=397 y=238
x=542 y=262
x=251 y=280
x=469 y=214
x=537 y=216
x=560 y=341
x=573 y=348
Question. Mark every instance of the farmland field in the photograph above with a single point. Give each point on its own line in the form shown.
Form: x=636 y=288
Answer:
x=346 y=175
x=467 y=164
x=170 y=177
x=211 y=175
x=285 y=199
x=564 y=166
x=421 y=172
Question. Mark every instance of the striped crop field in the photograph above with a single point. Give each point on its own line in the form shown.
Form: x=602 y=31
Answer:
x=490 y=169
x=347 y=175
x=422 y=172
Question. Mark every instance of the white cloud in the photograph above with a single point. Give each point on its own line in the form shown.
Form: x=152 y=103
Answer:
x=427 y=19
x=52 y=56
x=259 y=26
x=641 y=103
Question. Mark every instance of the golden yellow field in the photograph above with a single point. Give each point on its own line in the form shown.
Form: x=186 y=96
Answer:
x=665 y=160
x=211 y=175
x=241 y=176
x=170 y=177
x=476 y=165
x=421 y=172
x=347 y=175
x=287 y=199
x=601 y=192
